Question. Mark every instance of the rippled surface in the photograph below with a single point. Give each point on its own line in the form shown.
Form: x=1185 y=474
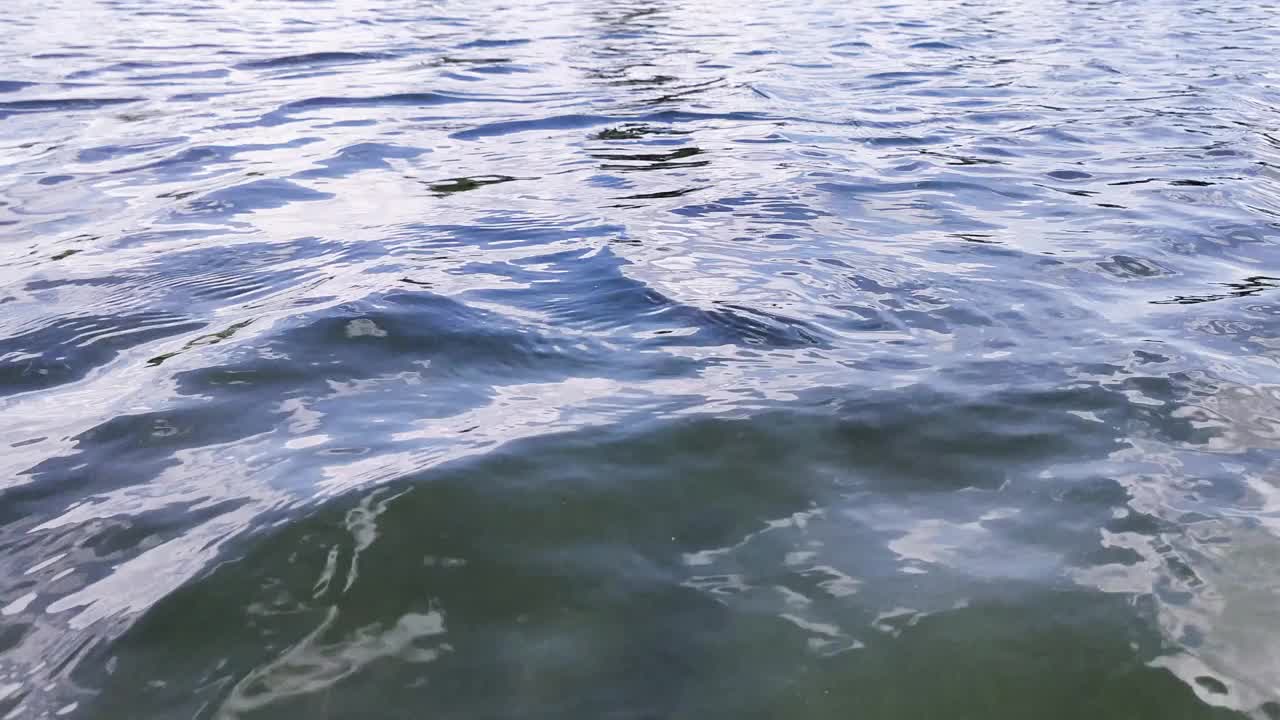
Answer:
x=631 y=359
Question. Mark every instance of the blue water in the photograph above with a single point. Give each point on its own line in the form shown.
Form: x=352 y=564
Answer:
x=639 y=359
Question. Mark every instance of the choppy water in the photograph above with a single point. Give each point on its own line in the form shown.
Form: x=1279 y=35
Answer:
x=639 y=359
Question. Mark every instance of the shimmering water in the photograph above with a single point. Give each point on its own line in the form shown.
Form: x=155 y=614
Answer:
x=639 y=359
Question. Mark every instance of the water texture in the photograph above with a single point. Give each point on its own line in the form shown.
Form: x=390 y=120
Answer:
x=650 y=359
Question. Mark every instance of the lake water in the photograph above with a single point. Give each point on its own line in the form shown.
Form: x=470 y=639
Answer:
x=640 y=359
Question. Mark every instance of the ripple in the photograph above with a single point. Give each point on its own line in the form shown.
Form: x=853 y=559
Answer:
x=22 y=107
x=638 y=360
x=312 y=59
x=69 y=348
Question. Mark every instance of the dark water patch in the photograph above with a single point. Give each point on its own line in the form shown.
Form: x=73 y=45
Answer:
x=953 y=159
x=210 y=276
x=192 y=162
x=654 y=80
x=497 y=69
x=902 y=140
x=287 y=112
x=664 y=194
x=21 y=107
x=772 y=210
x=410 y=99
x=632 y=162
x=634 y=131
x=211 y=339
x=1071 y=175
x=122 y=67
x=1245 y=288
x=933 y=45
x=360 y=157
x=899 y=78
x=67 y=349
x=592 y=290
x=453 y=60
x=571 y=122
x=570 y=579
x=421 y=241
x=128 y=450
x=159 y=78
x=312 y=59
x=492 y=43
x=463 y=184
x=248 y=197
x=111 y=152
x=1125 y=267
x=564 y=122
x=947 y=187
x=417 y=334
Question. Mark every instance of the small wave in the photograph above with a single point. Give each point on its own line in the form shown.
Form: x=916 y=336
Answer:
x=17 y=107
x=311 y=59
x=67 y=349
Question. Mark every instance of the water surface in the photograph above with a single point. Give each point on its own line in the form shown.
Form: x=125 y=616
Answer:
x=639 y=359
